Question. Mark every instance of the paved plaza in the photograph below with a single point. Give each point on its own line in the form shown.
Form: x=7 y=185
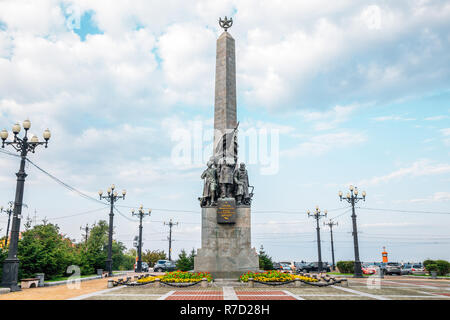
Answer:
x=389 y=288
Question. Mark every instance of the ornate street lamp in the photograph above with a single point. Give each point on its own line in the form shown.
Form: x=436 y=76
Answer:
x=317 y=215
x=22 y=145
x=111 y=197
x=141 y=213
x=352 y=198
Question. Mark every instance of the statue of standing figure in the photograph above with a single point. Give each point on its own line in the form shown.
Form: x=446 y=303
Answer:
x=241 y=180
x=210 y=185
x=226 y=178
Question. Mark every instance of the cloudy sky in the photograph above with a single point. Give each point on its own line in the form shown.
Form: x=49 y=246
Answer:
x=353 y=92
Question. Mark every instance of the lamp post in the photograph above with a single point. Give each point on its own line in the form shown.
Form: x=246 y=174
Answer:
x=331 y=223
x=23 y=146
x=8 y=211
x=352 y=198
x=111 y=197
x=317 y=215
x=141 y=214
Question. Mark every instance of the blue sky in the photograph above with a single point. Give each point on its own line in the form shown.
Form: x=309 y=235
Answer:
x=358 y=92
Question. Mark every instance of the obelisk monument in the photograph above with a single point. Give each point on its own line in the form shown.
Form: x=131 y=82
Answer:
x=226 y=250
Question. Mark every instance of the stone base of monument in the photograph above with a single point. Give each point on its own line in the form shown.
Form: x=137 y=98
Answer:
x=226 y=250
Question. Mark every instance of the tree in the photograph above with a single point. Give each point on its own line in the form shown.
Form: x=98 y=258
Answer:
x=3 y=256
x=27 y=224
x=151 y=257
x=185 y=262
x=265 y=261
x=97 y=251
x=44 y=249
x=191 y=258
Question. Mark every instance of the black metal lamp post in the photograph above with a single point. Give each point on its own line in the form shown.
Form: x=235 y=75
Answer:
x=352 y=198
x=112 y=197
x=331 y=223
x=141 y=214
x=22 y=145
x=8 y=211
x=317 y=215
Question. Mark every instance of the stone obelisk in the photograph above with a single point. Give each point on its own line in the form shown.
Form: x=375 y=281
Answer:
x=225 y=90
x=226 y=250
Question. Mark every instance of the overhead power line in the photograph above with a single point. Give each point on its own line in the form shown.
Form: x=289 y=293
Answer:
x=65 y=185
x=77 y=214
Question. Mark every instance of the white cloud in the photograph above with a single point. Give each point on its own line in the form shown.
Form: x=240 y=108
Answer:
x=417 y=169
x=436 y=197
x=321 y=144
x=436 y=118
x=329 y=119
x=446 y=134
x=393 y=118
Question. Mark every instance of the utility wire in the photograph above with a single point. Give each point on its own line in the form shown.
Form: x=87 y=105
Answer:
x=65 y=185
x=9 y=153
x=123 y=215
x=77 y=214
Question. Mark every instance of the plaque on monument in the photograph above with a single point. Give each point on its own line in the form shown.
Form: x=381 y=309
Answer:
x=226 y=210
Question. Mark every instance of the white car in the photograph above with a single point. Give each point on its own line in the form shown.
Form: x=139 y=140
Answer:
x=413 y=269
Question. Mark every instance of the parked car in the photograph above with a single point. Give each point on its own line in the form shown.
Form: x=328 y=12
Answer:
x=277 y=266
x=380 y=265
x=285 y=266
x=314 y=266
x=144 y=267
x=299 y=266
x=164 y=266
x=413 y=269
x=393 y=268
x=369 y=269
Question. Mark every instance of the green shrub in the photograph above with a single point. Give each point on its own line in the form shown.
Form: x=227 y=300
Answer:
x=432 y=267
x=428 y=262
x=346 y=266
x=441 y=267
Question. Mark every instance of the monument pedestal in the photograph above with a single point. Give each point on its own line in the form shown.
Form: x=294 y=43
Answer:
x=226 y=248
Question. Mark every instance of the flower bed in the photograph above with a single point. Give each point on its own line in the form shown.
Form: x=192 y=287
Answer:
x=179 y=277
x=274 y=276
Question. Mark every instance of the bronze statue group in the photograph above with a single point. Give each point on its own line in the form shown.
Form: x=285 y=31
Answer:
x=225 y=180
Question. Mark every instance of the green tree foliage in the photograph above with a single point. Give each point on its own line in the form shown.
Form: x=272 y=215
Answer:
x=186 y=262
x=96 y=252
x=44 y=249
x=151 y=256
x=346 y=266
x=441 y=267
x=3 y=256
x=265 y=261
